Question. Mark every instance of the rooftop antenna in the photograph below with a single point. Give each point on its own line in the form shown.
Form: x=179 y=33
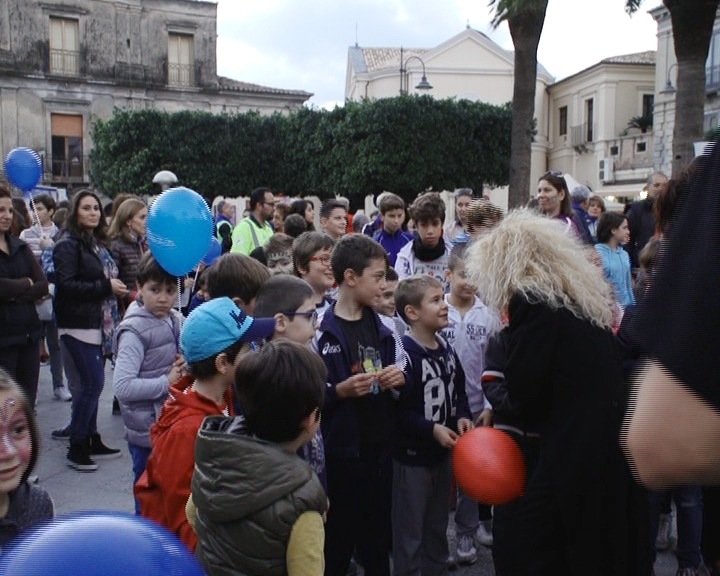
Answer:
x=356 y=34
x=468 y=24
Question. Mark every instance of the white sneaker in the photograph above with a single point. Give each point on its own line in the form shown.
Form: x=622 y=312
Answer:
x=466 y=552
x=484 y=533
x=662 y=542
x=62 y=394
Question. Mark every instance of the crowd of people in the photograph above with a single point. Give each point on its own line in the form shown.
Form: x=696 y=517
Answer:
x=297 y=413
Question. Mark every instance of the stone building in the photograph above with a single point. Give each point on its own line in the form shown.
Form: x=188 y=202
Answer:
x=64 y=63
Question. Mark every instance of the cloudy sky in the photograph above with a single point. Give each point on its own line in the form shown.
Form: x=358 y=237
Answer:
x=302 y=44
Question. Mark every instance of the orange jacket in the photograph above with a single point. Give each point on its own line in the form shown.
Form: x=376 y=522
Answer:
x=164 y=487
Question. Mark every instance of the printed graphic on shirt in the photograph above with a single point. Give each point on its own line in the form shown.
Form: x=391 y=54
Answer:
x=435 y=269
x=369 y=362
x=439 y=397
x=474 y=332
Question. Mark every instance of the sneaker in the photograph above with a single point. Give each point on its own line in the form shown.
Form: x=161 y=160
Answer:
x=466 y=552
x=62 y=394
x=662 y=542
x=99 y=451
x=62 y=434
x=484 y=533
x=79 y=459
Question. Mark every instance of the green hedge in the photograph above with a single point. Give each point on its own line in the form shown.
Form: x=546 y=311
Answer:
x=405 y=144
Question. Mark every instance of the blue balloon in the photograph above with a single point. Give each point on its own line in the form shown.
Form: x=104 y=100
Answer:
x=23 y=168
x=179 y=229
x=99 y=543
x=214 y=253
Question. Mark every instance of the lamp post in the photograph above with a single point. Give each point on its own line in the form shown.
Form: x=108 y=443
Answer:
x=669 y=88
x=423 y=85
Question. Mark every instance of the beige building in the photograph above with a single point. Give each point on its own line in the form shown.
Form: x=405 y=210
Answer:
x=64 y=63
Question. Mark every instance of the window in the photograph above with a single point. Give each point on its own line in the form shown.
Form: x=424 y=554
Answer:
x=712 y=66
x=641 y=147
x=180 y=60
x=563 y=120
x=67 y=146
x=614 y=150
x=648 y=104
x=64 y=47
x=589 y=119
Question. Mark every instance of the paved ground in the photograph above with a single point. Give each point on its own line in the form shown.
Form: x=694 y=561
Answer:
x=110 y=487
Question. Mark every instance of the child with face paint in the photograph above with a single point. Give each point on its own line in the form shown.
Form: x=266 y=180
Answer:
x=22 y=505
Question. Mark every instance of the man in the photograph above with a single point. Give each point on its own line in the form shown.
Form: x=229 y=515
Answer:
x=463 y=197
x=580 y=198
x=333 y=218
x=641 y=218
x=253 y=231
x=223 y=225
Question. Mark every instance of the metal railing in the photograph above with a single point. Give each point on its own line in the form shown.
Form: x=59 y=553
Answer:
x=76 y=169
x=712 y=77
x=181 y=75
x=582 y=134
x=65 y=62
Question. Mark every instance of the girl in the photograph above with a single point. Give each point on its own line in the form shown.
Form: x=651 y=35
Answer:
x=554 y=200
x=596 y=208
x=306 y=209
x=22 y=505
x=613 y=231
x=127 y=233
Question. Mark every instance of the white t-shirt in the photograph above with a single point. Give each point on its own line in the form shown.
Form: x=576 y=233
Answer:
x=407 y=264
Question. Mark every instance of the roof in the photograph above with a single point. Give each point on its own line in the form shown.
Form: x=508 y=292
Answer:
x=647 y=57
x=238 y=86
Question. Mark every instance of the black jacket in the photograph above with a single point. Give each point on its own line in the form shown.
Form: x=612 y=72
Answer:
x=641 y=221
x=80 y=284
x=19 y=322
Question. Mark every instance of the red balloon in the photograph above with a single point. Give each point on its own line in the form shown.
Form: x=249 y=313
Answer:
x=489 y=466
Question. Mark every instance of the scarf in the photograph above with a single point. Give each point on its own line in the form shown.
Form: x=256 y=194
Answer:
x=110 y=316
x=425 y=254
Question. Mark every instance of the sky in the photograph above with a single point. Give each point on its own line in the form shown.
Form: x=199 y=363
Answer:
x=303 y=44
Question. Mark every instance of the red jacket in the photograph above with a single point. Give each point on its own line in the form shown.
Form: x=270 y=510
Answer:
x=164 y=488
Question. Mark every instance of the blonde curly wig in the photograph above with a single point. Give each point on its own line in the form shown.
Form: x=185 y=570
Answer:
x=532 y=255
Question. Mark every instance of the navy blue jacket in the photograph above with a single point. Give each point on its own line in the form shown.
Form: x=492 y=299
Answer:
x=339 y=422
x=434 y=394
x=392 y=243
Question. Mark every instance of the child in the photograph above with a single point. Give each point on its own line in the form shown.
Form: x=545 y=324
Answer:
x=212 y=339
x=596 y=208
x=311 y=262
x=276 y=254
x=238 y=277
x=147 y=359
x=360 y=353
x=22 y=505
x=386 y=304
x=259 y=506
x=333 y=218
x=201 y=295
x=433 y=411
x=470 y=324
x=391 y=236
x=612 y=233
x=428 y=254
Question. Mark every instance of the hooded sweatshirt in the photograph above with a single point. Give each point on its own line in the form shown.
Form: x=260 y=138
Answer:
x=164 y=487
x=249 y=494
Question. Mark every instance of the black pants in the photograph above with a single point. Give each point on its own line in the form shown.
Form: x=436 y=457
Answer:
x=710 y=543
x=23 y=364
x=360 y=492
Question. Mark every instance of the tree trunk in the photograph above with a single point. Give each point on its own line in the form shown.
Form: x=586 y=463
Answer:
x=692 y=23
x=525 y=28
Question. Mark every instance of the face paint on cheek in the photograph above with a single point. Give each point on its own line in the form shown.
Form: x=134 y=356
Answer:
x=5 y=409
x=9 y=445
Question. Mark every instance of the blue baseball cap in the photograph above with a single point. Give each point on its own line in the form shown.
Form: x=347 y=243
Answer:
x=218 y=324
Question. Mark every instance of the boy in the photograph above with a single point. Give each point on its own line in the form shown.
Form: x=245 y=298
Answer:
x=386 y=304
x=433 y=411
x=259 y=506
x=470 y=324
x=311 y=262
x=360 y=353
x=428 y=254
x=147 y=359
x=333 y=218
x=213 y=338
x=391 y=236
x=238 y=277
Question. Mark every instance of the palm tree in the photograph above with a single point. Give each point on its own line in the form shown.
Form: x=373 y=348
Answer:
x=692 y=24
x=525 y=19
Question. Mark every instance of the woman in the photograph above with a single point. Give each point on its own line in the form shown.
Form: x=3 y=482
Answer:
x=306 y=209
x=579 y=493
x=86 y=310
x=127 y=233
x=554 y=201
x=22 y=284
x=278 y=221
x=596 y=208
x=613 y=232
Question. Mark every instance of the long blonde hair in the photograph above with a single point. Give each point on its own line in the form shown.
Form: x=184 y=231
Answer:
x=126 y=211
x=533 y=256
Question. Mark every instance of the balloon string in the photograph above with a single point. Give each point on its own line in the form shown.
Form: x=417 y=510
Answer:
x=182 y=318
x=34 y=209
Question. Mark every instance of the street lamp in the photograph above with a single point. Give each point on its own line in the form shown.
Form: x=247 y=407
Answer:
x=165 y=178
x=404 y=78
x=669 y=88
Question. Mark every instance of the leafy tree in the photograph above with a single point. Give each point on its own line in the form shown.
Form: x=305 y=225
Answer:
x=525 y=20
x=692 y=25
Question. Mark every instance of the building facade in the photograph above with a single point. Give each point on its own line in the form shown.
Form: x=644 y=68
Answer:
x=66 y=63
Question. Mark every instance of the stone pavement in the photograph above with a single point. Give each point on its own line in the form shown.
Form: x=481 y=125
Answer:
x=110 y=487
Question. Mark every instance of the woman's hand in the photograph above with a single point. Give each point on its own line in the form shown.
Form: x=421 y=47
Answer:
x=485 y=418
x=45 y=243
x=118 y=287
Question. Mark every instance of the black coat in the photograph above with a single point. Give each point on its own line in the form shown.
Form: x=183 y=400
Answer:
x=80 y=284
x=19 y=322
x=580 y=516
x=641 y=221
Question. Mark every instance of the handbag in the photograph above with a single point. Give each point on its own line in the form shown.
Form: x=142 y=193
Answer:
x=44 y=308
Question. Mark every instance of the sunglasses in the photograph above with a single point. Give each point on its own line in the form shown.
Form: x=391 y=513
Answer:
x=312 y=315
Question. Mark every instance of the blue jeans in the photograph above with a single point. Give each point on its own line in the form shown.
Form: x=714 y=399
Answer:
x=53 y=346
x=689 y=505
x=88 y=362
x=139 y=455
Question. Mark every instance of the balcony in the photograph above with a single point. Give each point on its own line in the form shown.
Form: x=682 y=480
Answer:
x=181 y=75
x=712 y=78
x=73 y=170
x=581 y=135
x=65 y=62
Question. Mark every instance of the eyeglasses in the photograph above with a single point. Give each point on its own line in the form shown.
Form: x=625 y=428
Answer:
x=324 y=260
x=312 y=315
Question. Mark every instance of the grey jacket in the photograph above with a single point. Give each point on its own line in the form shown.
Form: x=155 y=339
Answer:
x=248 y=495
x=145 y=349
